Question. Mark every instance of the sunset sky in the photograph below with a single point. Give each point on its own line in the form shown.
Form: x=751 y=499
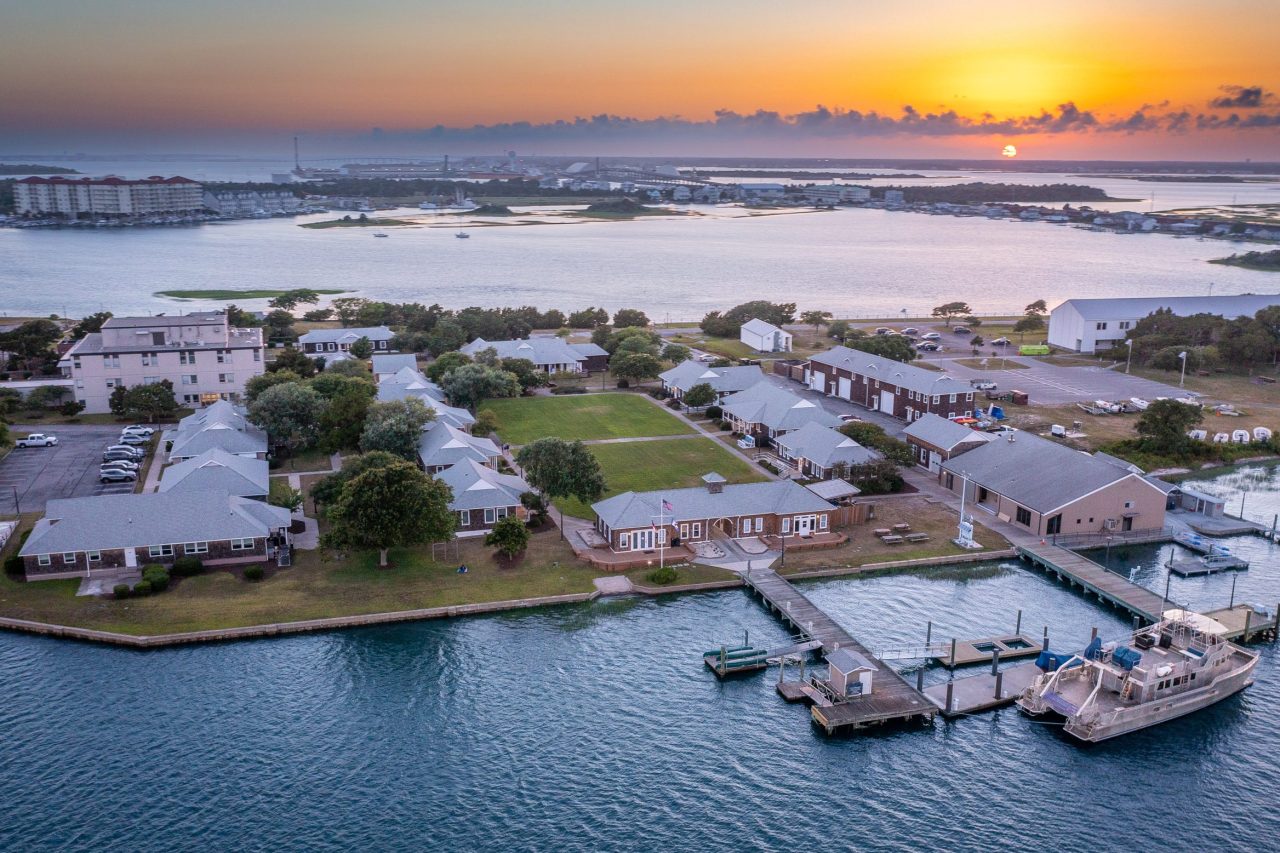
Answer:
x=1115 y=79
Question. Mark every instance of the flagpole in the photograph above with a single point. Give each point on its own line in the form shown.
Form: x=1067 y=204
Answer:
x=662 y=534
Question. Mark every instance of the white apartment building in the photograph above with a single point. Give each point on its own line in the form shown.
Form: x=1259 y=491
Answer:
x=109 y=196
x=204 y=357
x=1091 y=325
x=251 y=202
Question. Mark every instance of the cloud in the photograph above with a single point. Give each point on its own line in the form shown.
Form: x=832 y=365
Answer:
x=1242 y=98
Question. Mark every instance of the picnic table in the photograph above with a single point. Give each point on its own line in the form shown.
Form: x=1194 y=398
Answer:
x=902 y=528
x=892 y=539
x=917 y=537
x=882 y=531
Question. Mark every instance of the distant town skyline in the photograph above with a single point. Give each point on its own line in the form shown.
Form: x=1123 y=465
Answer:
x=933 y=78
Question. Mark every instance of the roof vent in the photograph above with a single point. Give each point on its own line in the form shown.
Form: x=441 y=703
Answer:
x=715 y=483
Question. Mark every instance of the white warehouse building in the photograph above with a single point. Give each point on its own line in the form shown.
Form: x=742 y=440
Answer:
x=1090 y=325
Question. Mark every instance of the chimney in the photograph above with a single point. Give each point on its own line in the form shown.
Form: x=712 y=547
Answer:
x=715 y=483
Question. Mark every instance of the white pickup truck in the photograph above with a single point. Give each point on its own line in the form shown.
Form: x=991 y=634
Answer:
x=36 y=439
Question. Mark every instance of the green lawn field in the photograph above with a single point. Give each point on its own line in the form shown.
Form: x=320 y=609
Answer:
x=584 y=416
x=676 y=463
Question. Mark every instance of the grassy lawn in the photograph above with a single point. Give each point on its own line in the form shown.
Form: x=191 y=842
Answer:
x=992 y=363
x=863 y=547
x=677 y=463
x=723 y=347
x=26 y=424
x=684 y=574
x=317 y=586
x=310 y=460
x=585 y=416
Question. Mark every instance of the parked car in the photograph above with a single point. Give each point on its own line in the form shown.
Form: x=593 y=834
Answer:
x=136 y=451
x=928 y=346
x=117 y=455
x=983 y=384
x=931 y=336
x=117 y=475
x=960 y=330
x=140 y=429
x=911 y=330
x=37 y=439
x=1000 y=342
x=849 y=418
x=133 y=438
x=883 y=330
x=127 y=464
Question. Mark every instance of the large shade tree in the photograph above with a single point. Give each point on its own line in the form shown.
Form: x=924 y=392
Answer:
x=562 y=469
x=392 y=506
x=290 y=414
x=395 y=427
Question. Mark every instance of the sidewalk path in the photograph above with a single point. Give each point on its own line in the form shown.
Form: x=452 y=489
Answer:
x=309 y=538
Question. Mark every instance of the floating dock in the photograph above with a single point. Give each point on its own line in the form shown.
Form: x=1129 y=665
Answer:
x=1207 y=566
x=891 y=700
x=1008 y=647
x=976 y=693
x=1093 y=578
x=1245 y=622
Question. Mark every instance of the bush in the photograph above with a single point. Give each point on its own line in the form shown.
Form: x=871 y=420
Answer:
x=185 y=567
x=120 y=590
x=658 y=393
x=142 y=587
x=663 y=576
x=157 y=576
x=254 y=573
x=725 y=426
x=623 y=383
x=714 y=412
x=673 y=404
x=570 y=389
x=13 y=565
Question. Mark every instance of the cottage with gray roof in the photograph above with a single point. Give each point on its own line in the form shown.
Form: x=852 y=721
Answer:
x=936 y=439
x=325 y=341
x=408 y=382
x=219 y=426
x=817 y=451
x=482 y=496
x=642 y=521
x=218 y=470
x=881 y=384
x=80 y=537
x=443 y=445
x=549 y=354
x=723 y=380
x=1047 y=488
x=765 y=412
x=389 y=365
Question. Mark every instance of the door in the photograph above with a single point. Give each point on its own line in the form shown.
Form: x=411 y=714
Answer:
x=817 y=381
x=1127 y=524
x=642 y=540
x=846 y=388
x=131 y=558
x=804 y=525
x=935 y=461
x=886 y=402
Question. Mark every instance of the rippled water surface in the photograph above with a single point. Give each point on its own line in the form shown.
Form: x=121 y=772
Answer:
x=595 y=728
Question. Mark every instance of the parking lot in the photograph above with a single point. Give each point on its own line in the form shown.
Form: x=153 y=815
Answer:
x=41 y=474
x=1055 y=384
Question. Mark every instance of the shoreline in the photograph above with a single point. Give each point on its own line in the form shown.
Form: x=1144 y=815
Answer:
x=281 y=629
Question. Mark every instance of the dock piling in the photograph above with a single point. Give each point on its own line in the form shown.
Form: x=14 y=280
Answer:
x=999 y=680
x=1093 y=635
x=1248 y=615
x=1045 y=645
x=1275 y=627
x=950 y=690
x=995 y=661
x=1232 y=603
x=952 y=662
x=920 y=679
x=1017 y=628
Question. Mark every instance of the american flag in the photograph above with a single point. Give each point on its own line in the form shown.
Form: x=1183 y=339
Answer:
x=666 y=506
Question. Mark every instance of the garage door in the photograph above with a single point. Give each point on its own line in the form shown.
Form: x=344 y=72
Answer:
x=816 y=381
x=846 y=388
x=886 y=401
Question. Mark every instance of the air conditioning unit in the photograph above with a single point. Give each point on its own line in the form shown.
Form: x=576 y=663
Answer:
x=1111 y=523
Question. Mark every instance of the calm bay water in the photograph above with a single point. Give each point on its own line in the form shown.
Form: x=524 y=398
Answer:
x=594 y=727
x=852 y=262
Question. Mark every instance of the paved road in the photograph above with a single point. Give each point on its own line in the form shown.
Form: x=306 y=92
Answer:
x=36 y=475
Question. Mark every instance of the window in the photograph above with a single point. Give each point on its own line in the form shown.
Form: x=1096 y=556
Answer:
x=1054 y=525
x=759 y=525
x=111 y=361
x=43 y=560
x=257 y=355
x=786 y=524
x=936 y=399
x=226 y=378
x=624 y=541
x=160 y=550
x=684 y=531
x=1024 y=517
x=822 y=522
x=503 y=512
x=94 y=556
x=190 y=379
x=953 y=398
x=224 y=356
x=1125 y=324
x=196 y=548
x=241 y=544
x=69 y=558
x=332 y=347
x=150 y=359
x=697 y=529
x=464 y=518
x=113 y=383
x=489 y=515
x=191 y=399
x=75 y=362
x=187 y=357
x=1128 y=504
x=1102 y=327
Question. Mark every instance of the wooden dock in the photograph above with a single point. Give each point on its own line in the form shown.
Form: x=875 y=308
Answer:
x=891 y=699
x=975 y=693
x=1093 y=578
x=1244 y=622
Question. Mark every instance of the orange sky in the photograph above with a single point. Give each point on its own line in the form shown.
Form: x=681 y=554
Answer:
x=123 y=69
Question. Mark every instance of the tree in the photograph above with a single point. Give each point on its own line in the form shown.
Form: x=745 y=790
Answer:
x=445 y=363
x=327 y=490
x=526 y=373
x=816 y=318
x=632 y=339
x=5 y=438
x=537 y=507
x=116 y=401
x=588 y=318
x=392 y=506
x=728 y=324
x=1029 y=323
x=290 y=414
x=90 y=324
x=291 y=299
x=892 y=347
x=445 y=337
x=562 y=469
x=395 y=427
x=287 y=497
x=411 y=341
x=976 y=341
x=952 y=309
x=700 y=395
x=362 y=348
x=295 y=361
x=280 y=326
x=675 y=353
x=255 y=385
x=635 y=365
x=873 y=436
x=342 y=422
x=838 y=329
x=630 y=317
x=46 y=396
x=1037 y=307
x=486 y=422
x=878 y=477
x=318 y=315
x=330 y=385
x=348 y=309
x=151 y=402
x=240 y=318
x=349 y=367
x=32 y=339
x=510 y=536
x=971 y=321
x=10 y=402
x=1162 y=428
x=469 y=384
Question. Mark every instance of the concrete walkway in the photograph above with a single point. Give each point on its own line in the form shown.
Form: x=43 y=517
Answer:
x=614 y=585
x=152 y=483
x=309 y=538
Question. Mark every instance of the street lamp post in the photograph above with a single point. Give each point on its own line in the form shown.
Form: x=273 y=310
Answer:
x=1129 y=359
x=1182 y=356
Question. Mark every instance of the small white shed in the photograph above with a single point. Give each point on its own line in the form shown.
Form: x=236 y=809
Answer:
x=764 y=337
x=850 y=673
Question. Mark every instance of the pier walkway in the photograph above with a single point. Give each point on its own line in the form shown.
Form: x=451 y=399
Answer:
x=1107 y=585
x=891 y=698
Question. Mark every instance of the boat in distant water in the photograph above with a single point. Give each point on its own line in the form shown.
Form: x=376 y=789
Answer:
x=1181 y=664
x=462 y=235
x=380 y=234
